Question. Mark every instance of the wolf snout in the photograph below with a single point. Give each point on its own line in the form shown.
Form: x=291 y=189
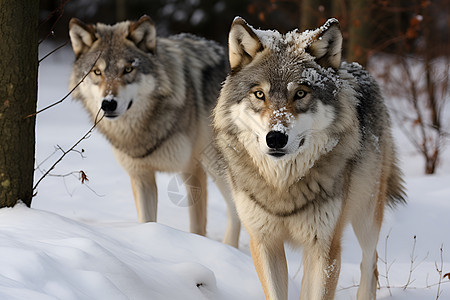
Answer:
x=276 y=139
x=109 y=105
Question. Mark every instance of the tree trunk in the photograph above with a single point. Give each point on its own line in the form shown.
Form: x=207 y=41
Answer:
x=313 y=13
x=359 y=31
x=121 y=10
x=18 y=94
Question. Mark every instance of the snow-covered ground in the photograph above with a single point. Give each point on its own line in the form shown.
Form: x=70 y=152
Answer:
x=83 y=241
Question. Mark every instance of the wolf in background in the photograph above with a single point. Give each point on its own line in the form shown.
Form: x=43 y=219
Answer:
x=307 y=143
x=156 y=95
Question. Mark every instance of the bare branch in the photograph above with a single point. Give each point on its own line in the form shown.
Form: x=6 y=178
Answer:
x=69 y=93
x=59 y=11
x=387 y=268
x=70 y=149
x=53 y=51
x=439 y=270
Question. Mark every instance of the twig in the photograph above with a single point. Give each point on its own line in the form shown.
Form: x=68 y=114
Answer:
x=411 y=267
x=70 y=149
x=60 y=11
x=387 y=268
x=439 y=292
x=69 y=93
x=53 y=51
x=57 y=148
x=38 y=167
x=81 y=176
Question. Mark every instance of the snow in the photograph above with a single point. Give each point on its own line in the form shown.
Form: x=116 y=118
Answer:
x=279 y=116
x=83 y=241
x=295 y=40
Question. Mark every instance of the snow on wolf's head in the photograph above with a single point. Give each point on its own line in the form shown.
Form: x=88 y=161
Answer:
x=282 y=89
x=118 y=59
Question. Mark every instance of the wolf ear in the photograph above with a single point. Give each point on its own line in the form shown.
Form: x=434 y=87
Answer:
x=143 y=34
x=327 y=46
x=81 y=35
x=243 y=44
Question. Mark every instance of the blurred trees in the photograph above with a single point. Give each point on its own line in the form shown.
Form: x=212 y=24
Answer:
x=416 y=74
x=406 y=45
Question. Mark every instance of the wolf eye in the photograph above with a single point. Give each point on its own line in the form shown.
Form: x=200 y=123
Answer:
x=128 y=69
x=97 y=72
x=260 y=95
x=300 y=94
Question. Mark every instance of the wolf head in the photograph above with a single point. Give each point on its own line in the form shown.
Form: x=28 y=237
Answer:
x=281 y=95
x=117 y=58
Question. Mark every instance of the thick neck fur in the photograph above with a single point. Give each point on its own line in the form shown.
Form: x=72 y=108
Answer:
x=282 y=173
x=138 y=135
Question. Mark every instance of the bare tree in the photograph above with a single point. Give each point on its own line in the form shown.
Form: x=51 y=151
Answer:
x=416 y=74
x=18 y=94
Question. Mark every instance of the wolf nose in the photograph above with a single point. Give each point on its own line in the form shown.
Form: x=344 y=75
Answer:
x=109 y=105
x=276 y=139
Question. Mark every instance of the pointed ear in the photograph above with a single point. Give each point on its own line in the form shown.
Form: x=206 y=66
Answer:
x=243 y=44
x=327 y=46
x=143 y=34
x=81 y=35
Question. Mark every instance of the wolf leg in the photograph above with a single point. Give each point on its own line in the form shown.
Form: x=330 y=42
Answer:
x=270 y=263
x=196 y=190
x=366 y=225
x=234 y=224
x=145 y=196
x=367 y=230
x=320 y=272
x=367 y=235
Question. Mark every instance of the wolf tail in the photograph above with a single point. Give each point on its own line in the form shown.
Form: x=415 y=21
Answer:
x=396 y=192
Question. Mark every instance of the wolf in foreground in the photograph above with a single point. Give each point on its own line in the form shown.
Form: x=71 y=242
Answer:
x=308 y=148
x=156 y=95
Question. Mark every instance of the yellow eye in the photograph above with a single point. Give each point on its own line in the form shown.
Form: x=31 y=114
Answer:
x=260 y=95
x=128 y=69
x=300 y=94
x=97 y=72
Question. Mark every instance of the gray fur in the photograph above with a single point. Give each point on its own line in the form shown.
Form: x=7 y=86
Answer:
x=164 y=90
x=340 y=167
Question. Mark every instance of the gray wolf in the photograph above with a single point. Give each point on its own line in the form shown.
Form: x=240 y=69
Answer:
x=308 y=148
x=157 y=96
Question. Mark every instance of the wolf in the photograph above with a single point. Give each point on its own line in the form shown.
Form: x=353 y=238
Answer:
x=308 y=148
x=154 y=97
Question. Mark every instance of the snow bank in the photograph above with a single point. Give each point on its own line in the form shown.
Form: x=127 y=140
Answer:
x=47 y=256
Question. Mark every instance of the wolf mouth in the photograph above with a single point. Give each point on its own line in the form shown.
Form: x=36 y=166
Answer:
x=302 y=141
x=129 y=104
x=276 y=153
x=279 y=152
x=112 y=115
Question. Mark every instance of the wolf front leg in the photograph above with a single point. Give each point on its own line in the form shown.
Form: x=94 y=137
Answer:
x=367 y=227
x=145 y=195
x=195 y=184
x=320 y=272
x=234 y=224
x=270 y=263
